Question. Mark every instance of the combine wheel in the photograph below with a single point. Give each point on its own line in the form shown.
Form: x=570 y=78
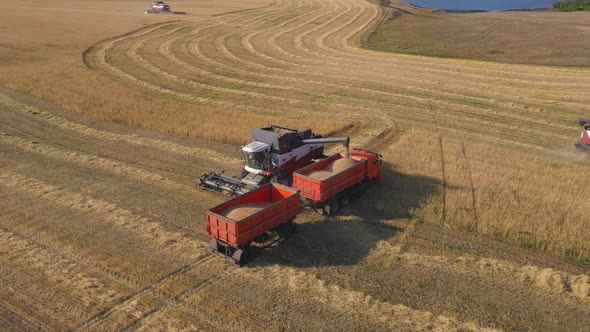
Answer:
x=240 y=257
x=332 y=207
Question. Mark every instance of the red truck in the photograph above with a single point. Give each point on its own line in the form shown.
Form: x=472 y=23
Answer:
x=333 y=189
x=234 y=224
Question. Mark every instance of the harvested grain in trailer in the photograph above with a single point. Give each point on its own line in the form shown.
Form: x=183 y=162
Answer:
x=333 y=168
x=243 y=211
x=330 y=183
x=258 y=215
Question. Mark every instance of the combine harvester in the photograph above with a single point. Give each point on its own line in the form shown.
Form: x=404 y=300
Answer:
x=275 y=153
x=160 y=7
x=279 y=177
x=584 y=141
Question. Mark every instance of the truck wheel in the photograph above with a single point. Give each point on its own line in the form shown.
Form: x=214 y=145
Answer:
x=344 y=200
x=240 y=256
x=213 y=246
x=332 y=207
x=261 y=238
x=286 y=229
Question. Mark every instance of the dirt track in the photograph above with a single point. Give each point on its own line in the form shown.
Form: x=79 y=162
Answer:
x=102 y=228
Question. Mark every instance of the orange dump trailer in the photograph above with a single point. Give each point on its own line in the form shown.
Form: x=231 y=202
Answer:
x=326 y=187
x=234 y=224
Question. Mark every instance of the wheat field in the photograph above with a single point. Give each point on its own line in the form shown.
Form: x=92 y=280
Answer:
x=480 y=222
x=300 y=58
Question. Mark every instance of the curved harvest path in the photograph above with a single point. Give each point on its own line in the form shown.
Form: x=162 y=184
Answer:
x=101 y=227
x=301 y=58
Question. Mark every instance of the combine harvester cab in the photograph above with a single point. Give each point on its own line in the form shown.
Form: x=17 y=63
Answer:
x=253 y=216
x=584 y=141
x=329 y=184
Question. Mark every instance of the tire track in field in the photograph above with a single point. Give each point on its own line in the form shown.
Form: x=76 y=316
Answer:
x=179 y=300
x=131 y=305
x=34 y=303
x=111 y=136
x=59 y=270
x=33 y=312
x=90 y=160
x=546 y=280
x=50 y=246
x=354 y=305
x=174 y=243
x=9 y=314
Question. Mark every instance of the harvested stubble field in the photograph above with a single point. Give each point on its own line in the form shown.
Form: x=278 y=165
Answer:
x=532 y=37
x=480 y=223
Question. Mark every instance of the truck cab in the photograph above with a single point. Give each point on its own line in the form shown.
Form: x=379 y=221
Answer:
x=374 y=162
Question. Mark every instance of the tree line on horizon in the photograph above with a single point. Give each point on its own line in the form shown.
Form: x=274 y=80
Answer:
x=572 y=5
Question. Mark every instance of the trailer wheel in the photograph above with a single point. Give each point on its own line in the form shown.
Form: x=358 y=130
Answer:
x=240 y=257
x=332 y=207
x=213 y=246
x=261 y=238
x=285 y=230
x=344 y=200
